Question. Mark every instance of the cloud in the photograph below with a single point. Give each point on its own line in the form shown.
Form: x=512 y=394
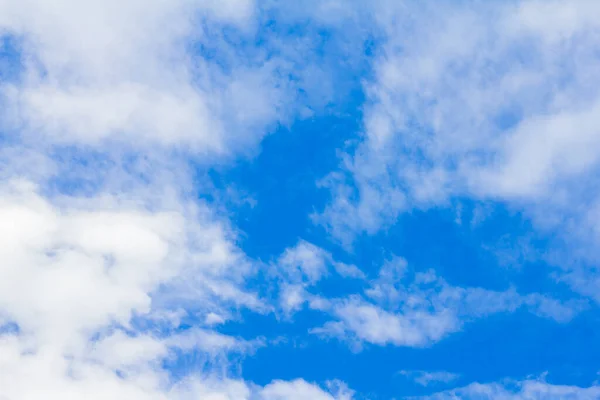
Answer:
x=91 y=75
x=108 y=255
x=300 y=268
x=366 y=322
x=426 y=378
x=348 y=271
x=420 y=311
x=302 y=390
x=304 y=261
x=490 y=101
x=530 y=389
x=74 y=379
x=79 y=278
x=94 y=290
x=107 y=252
x=106 y=259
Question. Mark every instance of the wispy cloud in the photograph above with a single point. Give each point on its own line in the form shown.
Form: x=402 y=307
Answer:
x=482 y=100
x=426 y=378
x=519 y=391
x=423 y=310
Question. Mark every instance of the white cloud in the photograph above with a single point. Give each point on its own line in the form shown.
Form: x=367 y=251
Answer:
x=308 y=263
x=530 y=389
x=496 y=101
x=107 y=260
x=369 y=323
x=105 y=245
x=43 y=375
x=96 y=71
x=302 y=390
x=426 y=378
x=292 y=297
x=423 y=310
x=302 y=266
x=305 y=261
x=493 y=102
x=80 y=272
x=348 y=271
x=70 y=272
x=78 y=278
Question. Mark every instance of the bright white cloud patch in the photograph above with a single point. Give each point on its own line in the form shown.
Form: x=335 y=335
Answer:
x=95 y=71
x=71 y=273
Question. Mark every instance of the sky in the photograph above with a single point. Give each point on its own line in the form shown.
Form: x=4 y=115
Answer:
x=299 y=200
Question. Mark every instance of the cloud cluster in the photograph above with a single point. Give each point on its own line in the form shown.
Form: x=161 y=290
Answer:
x=106 y=248
x=98 y=71
x=490 y=101
x=423 y=310
x=400 y=306
x=114 y=274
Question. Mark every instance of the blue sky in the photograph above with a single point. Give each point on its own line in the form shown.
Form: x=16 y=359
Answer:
x=324 y=200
